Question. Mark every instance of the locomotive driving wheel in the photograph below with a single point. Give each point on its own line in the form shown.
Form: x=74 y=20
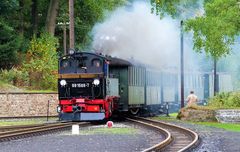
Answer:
x=134 y=111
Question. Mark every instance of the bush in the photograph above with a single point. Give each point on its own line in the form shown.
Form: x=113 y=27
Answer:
x=15 y=77
x=41 y=62
x=39 y=66
x=226 y=100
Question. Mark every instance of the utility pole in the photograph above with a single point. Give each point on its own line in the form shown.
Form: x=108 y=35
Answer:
x=64 y=28
x=182 y=67
x=215 y=81
x=65 y=38
x=71 y=25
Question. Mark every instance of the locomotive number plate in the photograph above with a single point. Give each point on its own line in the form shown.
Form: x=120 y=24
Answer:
x=80 y=85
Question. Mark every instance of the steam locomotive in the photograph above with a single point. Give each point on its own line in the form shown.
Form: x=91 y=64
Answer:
x=88 y=89
x=92 y=86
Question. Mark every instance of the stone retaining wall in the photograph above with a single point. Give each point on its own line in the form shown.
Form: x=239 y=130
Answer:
x=228 y=115
x=27 y=104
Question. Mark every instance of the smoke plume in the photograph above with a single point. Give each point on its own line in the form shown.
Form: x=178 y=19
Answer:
x=133 y=33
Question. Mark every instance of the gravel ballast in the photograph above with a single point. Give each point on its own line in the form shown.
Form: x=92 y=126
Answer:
x=213 y=139
x=140 y=139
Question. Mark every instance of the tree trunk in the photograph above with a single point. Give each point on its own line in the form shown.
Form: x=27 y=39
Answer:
x=34 y=16
x=21 y=28
x=51 y=16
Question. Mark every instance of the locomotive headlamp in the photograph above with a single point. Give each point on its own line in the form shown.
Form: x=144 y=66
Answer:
x=59 y=109
x=96 y=82
x=63 y=82
x=71 y=51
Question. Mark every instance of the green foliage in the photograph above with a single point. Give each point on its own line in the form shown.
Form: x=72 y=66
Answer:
x=216 y=31
x=9 y=45
x=14 y=77
x=174 y=8
x=41 y=62
x=21 y=19
x=86 y=14
x=162 y=7
x=8 y=6
x=225 y=100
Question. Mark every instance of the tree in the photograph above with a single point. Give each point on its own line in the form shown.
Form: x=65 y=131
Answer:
x=86 y=13
x=41 y=62
x=9 y=40
x=217 y=30
x=9 y=45
x=174 y=8
x=51 y=16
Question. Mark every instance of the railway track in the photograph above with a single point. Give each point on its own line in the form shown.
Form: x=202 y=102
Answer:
x=34 y=130
x=177 y=139
x=17 y=127
x=27 y=117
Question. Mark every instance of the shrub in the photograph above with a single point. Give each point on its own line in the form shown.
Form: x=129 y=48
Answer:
x=226 y=100
x=15 y=77
x=38 y=67
x=41 y=62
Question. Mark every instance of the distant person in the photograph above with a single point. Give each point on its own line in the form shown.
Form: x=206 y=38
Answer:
x=191 y=99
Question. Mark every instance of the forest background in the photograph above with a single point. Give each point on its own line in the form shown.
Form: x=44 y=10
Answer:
x=32 y=33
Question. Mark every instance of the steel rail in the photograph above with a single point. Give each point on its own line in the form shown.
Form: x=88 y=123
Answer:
x=16 y=127
x=168 y=139
x=8 y=135
x=176 y=133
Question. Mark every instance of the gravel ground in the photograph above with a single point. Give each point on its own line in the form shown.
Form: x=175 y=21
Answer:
x=65 y=141
x=214 y=139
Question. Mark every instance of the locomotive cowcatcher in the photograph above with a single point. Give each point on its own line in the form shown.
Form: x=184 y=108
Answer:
x=86 y=92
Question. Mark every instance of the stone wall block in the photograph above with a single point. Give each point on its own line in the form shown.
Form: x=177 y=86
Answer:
x=228 y=115
x=27 y=104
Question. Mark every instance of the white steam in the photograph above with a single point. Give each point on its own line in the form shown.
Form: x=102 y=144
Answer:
x=137 y=34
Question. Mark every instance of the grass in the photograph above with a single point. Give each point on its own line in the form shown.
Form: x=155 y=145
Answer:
x=109 y=131
x=40 y=91
x=225 y=126
x=171 y=117
x=5 y=86
x=12 y=122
